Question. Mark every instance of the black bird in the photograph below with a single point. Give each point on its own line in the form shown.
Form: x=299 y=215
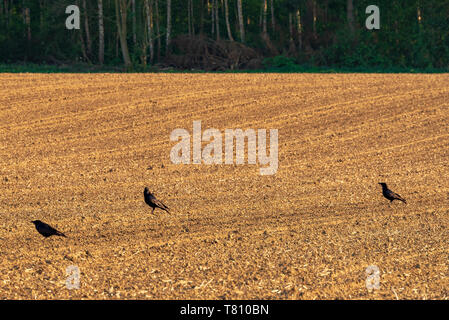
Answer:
x=390 y=195
x=46 y=230
x=154 y=203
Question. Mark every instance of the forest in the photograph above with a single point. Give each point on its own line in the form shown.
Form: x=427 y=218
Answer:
x=217 y=35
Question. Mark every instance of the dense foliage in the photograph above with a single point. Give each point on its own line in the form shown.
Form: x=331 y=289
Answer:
x=412 y=34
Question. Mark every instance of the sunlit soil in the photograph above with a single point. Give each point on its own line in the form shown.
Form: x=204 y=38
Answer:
x=76 y=151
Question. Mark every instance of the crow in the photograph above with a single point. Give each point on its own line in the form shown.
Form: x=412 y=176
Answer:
x=390 y=195
x=46 y=230
x=154 y=203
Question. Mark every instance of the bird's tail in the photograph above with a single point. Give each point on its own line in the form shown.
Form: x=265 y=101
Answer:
x=401 y=199
x=164 y=207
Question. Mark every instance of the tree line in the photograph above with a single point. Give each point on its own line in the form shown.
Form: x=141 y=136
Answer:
x=413 y=33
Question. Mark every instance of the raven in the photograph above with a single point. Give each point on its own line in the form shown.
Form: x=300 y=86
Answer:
x=46 y=230
x=390 y=195
x=154 y=203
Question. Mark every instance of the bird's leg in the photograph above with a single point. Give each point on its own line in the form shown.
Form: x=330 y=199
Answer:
x=152 y=212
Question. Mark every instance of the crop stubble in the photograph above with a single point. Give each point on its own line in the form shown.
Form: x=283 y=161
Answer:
x=77 y=150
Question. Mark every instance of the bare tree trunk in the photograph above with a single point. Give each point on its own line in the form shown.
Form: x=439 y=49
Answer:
x=158 y=32
x=188 y=17
x=217 y=20
x=264 y=34
x=212 y=16
x=143 y=56
x=273 y=22
x=292 y=48
x=117 y=40
x=133 y=8
x=299 y=26
x=151 y=38
x=6 y=13
x=41 y=14
x=149 y=14
x=100 y=32
x=192 y=17
x=120 y=15
x=418 y=15
x=145 y=40
x=241 y=26
x=167 y=42
x=27 y=23
x=83 y=48
x=23 y=12
x=314 y=18
x=228 y=26
x=202 y=17
x=264 y=21
x=86 y=25
x=350 y=15
x=83 y=44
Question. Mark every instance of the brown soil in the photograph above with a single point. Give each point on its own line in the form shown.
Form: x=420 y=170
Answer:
x=77 y=150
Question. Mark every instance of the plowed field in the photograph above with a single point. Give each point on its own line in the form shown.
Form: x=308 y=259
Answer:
x=76 y=151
